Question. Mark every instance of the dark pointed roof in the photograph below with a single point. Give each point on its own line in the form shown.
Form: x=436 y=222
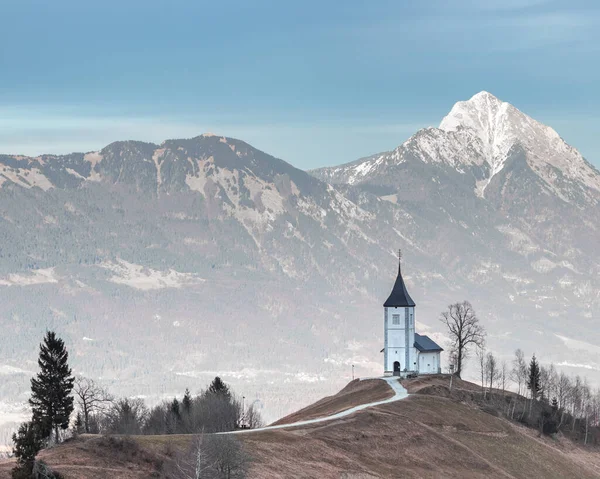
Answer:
x=399 y=297
x=425 y=343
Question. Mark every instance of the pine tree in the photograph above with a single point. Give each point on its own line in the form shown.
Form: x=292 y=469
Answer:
x=175 y=409
x=27 y=442
x=51 y=400
x=533 y=382
x=554 y=404
x=187 y=401
x=219 y=387
x=79 y=426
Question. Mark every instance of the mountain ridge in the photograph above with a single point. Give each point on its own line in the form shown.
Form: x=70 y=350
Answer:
x=207 y=250
x=479 y=134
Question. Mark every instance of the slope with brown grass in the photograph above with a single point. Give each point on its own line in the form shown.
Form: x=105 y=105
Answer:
x=355 y=393
x=427 y=435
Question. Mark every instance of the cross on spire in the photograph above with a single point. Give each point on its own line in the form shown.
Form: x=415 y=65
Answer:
x=399 y=261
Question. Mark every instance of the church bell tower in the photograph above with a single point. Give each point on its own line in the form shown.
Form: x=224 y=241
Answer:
x=399 y=353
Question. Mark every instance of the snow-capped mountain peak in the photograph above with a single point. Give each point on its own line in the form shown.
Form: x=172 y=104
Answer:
x=499 y=126
x=480 y=138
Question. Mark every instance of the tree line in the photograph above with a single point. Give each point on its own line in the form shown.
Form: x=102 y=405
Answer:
x=63 y=405
x=214 y=409
x=545 y=397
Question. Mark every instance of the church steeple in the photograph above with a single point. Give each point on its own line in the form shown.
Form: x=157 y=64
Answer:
x=399 y=297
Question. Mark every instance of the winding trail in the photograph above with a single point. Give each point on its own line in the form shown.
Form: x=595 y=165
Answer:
x=399 y=393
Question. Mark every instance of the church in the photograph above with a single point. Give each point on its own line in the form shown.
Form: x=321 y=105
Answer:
x=405 y=352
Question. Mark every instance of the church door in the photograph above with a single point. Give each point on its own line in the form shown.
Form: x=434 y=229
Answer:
x=396 y=368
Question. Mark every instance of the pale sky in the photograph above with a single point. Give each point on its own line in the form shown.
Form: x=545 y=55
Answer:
x=314 y=83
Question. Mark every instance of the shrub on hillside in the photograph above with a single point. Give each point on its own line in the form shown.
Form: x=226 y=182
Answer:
x=126 y=416
x=28 y=441
x=216 y=409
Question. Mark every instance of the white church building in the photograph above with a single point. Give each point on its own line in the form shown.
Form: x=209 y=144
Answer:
x=406 y=352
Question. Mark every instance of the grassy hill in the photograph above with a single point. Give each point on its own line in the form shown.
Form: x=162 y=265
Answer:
x=427 y=435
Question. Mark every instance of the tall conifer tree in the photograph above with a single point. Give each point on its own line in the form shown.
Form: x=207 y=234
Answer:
x=51 y=400
x=187 y=402
x=533 y=382
x=218 y=387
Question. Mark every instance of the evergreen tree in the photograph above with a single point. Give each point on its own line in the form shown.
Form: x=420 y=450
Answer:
x=533 y=381
x=187 y=401
x=79 y=426
x=218 y=387
x=174 y=418
x=27 y=442
x=51 y=400
x=554 y=405
x=175 y=409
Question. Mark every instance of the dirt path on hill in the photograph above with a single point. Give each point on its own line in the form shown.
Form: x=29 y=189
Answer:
x=393 y=382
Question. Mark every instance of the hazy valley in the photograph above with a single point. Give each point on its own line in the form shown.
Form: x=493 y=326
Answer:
x=164 y=265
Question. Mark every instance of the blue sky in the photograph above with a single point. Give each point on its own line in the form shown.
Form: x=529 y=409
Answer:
x=314 y=83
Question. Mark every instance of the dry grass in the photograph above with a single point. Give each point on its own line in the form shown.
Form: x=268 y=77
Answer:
x=92 y=457
x=6 y=466
x=424 y=436
x=420 y=437
x=355 y=393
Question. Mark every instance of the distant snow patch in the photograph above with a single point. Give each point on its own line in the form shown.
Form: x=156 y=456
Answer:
x=303 y=377
x=6 y=370
x=71 y=171
x=593 y=367
x=578 y=345
x=13 y=413
x=543 y=265
x=57 y=313
x=147 y=279
x=26 y=178
x=93 y=158
x=37 y=276
x=519 y=241
x=246 y=373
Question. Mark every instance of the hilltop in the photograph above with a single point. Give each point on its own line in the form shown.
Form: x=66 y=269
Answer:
x=175 y=243
x=430 y=434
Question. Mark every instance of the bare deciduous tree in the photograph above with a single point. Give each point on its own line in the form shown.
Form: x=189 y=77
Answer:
x=503 y=376
x=465 y=330
x=91 y=399
x=214 y=456
x=519 y=370
x=126 y=416
x=563 y=392
x=228 y=456
x=492 y=372
x=480 y=354
x=252 y=417
x=193 y=464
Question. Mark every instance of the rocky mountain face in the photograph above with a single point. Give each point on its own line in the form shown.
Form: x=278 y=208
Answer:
x=528 y=203
x=164 y=265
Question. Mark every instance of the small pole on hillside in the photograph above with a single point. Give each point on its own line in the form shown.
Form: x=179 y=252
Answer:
x=243 y=412
x=451 y=375
x=353 y=372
